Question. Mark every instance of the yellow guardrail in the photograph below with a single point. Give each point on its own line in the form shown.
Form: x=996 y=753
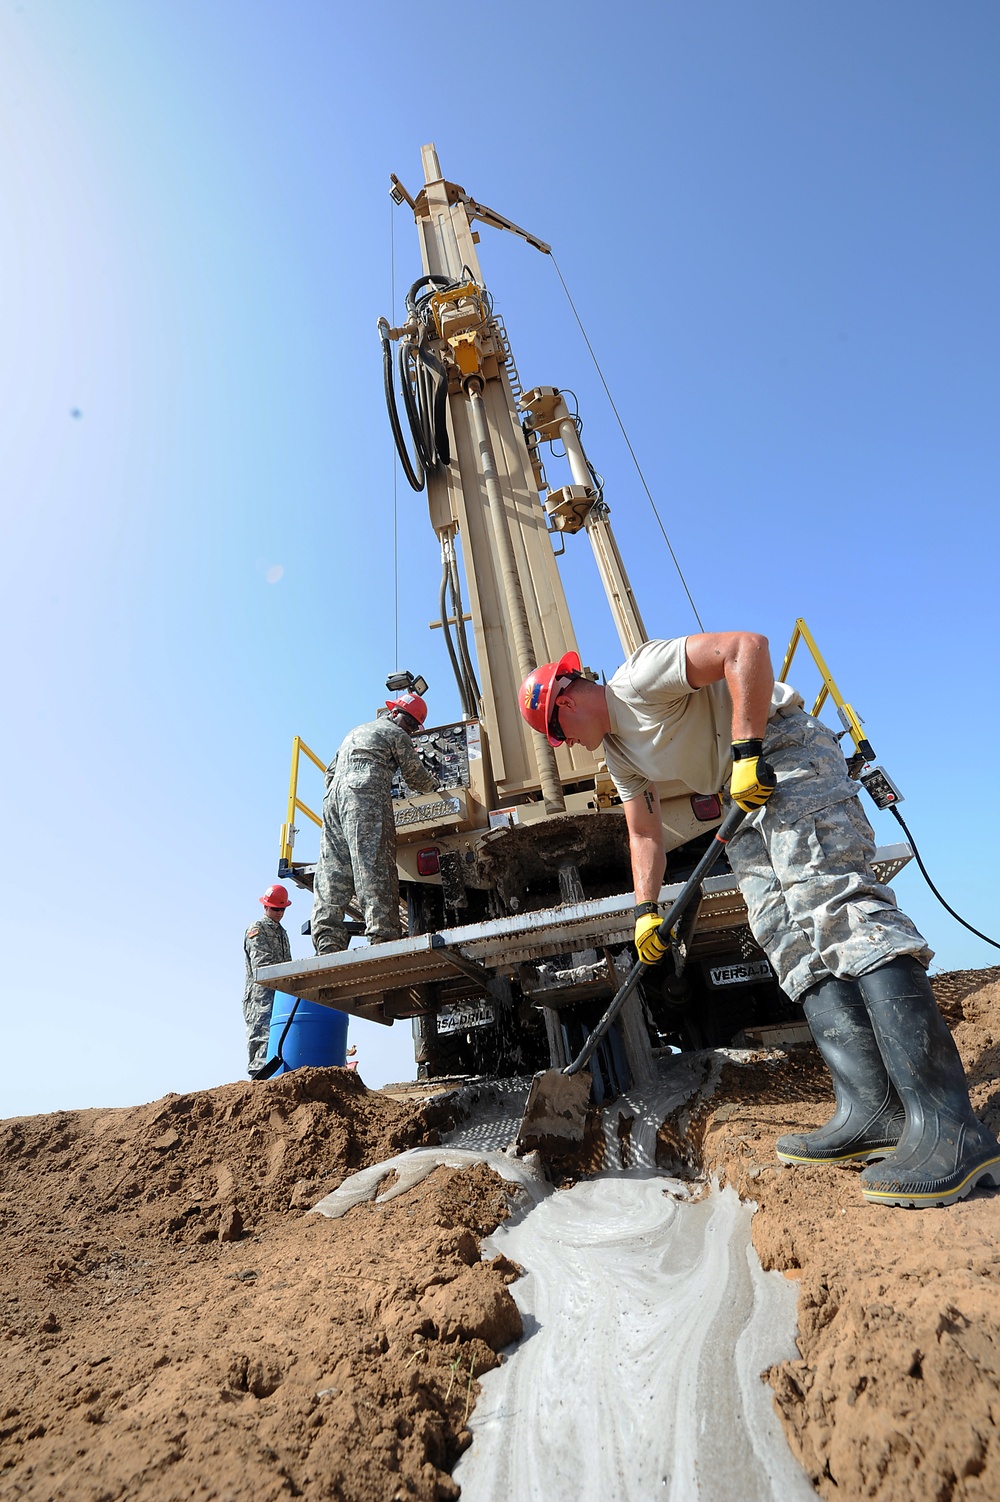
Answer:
x=295 y=804
x=848 y=717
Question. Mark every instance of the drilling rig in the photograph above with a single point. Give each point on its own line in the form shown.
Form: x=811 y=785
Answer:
x=516 y=881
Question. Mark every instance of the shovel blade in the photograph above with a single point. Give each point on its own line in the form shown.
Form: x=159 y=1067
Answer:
x=555 y=1112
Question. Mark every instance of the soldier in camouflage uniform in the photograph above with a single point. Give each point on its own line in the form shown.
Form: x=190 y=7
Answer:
x=700 y=712
x=357 y=852
x=264 y=943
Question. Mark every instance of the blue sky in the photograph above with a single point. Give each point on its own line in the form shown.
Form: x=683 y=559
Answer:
x=780 y=225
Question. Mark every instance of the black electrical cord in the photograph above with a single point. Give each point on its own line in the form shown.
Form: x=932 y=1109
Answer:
x=923 y=870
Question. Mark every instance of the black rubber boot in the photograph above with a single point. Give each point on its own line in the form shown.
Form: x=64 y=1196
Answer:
x=868 y=1120
x=944 y=1152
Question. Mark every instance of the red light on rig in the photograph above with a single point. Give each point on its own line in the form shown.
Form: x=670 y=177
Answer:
x=428 y=861
x=706 y=806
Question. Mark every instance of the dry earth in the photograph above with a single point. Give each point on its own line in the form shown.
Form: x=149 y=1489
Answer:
x=172 y=1327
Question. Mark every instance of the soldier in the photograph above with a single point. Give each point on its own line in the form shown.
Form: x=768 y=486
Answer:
x=357 y=851
x=690 y=715
x=264 y=943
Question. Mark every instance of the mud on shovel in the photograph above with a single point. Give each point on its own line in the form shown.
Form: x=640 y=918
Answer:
x=555 y=1112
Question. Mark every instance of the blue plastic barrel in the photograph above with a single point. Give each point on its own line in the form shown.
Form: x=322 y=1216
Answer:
x=318 y=1035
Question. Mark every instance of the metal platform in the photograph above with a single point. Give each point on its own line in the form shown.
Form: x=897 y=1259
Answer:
x=381 y=982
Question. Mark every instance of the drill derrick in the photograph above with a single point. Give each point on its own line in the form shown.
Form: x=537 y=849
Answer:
x=488 y=495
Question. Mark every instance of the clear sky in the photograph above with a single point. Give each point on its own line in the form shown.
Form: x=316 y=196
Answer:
x=780 y=225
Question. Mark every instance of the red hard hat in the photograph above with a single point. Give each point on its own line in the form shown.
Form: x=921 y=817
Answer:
x=539 y=689
x=276 y=896
x=411 y=704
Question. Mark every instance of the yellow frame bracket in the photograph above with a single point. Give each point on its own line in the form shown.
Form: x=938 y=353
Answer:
x=848 y=717
x=295 y=803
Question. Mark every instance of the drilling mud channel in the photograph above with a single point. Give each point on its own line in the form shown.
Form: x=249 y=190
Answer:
x=175 y=1324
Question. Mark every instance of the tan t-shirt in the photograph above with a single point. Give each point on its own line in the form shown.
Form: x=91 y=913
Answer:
x=666 y=732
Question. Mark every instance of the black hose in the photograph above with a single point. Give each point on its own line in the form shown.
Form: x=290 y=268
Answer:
x=455 y=666
x=432 y=280
x=923 y=870
x=463 y=641
x=439 y=407
x=408 y=378
x=413 y=473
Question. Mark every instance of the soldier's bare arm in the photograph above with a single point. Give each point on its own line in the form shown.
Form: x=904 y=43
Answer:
x=743 y=660
x=645 y=834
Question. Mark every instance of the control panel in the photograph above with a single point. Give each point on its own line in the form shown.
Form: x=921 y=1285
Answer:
x=446 y=751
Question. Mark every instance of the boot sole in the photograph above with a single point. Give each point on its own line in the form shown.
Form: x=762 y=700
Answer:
x=988 y=1173
x=860 y=1155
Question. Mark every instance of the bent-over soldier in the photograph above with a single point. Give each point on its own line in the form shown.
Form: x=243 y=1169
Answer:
x=703 y=714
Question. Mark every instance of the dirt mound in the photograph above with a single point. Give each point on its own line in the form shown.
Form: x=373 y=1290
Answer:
x=213 y=1163
x=173 y=1327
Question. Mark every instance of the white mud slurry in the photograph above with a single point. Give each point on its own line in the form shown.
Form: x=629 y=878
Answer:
x=647 y=1322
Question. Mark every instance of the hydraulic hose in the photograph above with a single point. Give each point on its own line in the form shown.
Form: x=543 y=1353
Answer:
x=548 y=775
x=456 y=667
x=410 y=379
x=432 y=279
x=424 y=382
x=413 y=472
x=439 y=402
x=425 y=397
x=463 y=640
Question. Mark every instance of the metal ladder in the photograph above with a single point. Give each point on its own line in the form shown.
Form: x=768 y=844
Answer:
x=508 y=358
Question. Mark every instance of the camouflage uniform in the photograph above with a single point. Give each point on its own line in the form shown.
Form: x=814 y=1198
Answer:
x=264 y=943
x=357 y=852
x=803 y=862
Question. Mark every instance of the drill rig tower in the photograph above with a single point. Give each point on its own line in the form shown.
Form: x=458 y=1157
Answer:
x=517 y=882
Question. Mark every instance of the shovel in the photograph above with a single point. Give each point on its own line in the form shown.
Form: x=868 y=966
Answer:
x=555 y=1112
x=273 y=1065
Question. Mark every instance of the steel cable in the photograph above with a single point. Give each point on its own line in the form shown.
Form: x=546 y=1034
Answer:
x=628 y=443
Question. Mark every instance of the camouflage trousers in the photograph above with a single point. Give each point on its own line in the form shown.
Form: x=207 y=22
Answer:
x=257 y=1005
x=803 y=863
x=357 y=858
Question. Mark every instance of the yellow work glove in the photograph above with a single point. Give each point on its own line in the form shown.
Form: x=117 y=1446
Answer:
x=753 y=778
x=647 y=921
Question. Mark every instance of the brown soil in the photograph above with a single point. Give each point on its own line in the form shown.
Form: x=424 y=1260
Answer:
x=897 y=1393
x=173 y=1327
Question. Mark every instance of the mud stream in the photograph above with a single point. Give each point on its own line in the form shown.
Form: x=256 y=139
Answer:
x=648 y=1321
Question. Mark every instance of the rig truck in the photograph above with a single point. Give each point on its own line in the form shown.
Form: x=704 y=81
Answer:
x=516 y=883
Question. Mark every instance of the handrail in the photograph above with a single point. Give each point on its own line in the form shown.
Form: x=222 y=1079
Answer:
x=288 y=829
x=848 y=717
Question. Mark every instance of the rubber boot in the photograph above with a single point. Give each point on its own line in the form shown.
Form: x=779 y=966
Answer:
x=869 y=1117
x=944 y=1152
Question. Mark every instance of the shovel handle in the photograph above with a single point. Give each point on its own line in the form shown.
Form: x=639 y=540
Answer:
x=681 y=903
